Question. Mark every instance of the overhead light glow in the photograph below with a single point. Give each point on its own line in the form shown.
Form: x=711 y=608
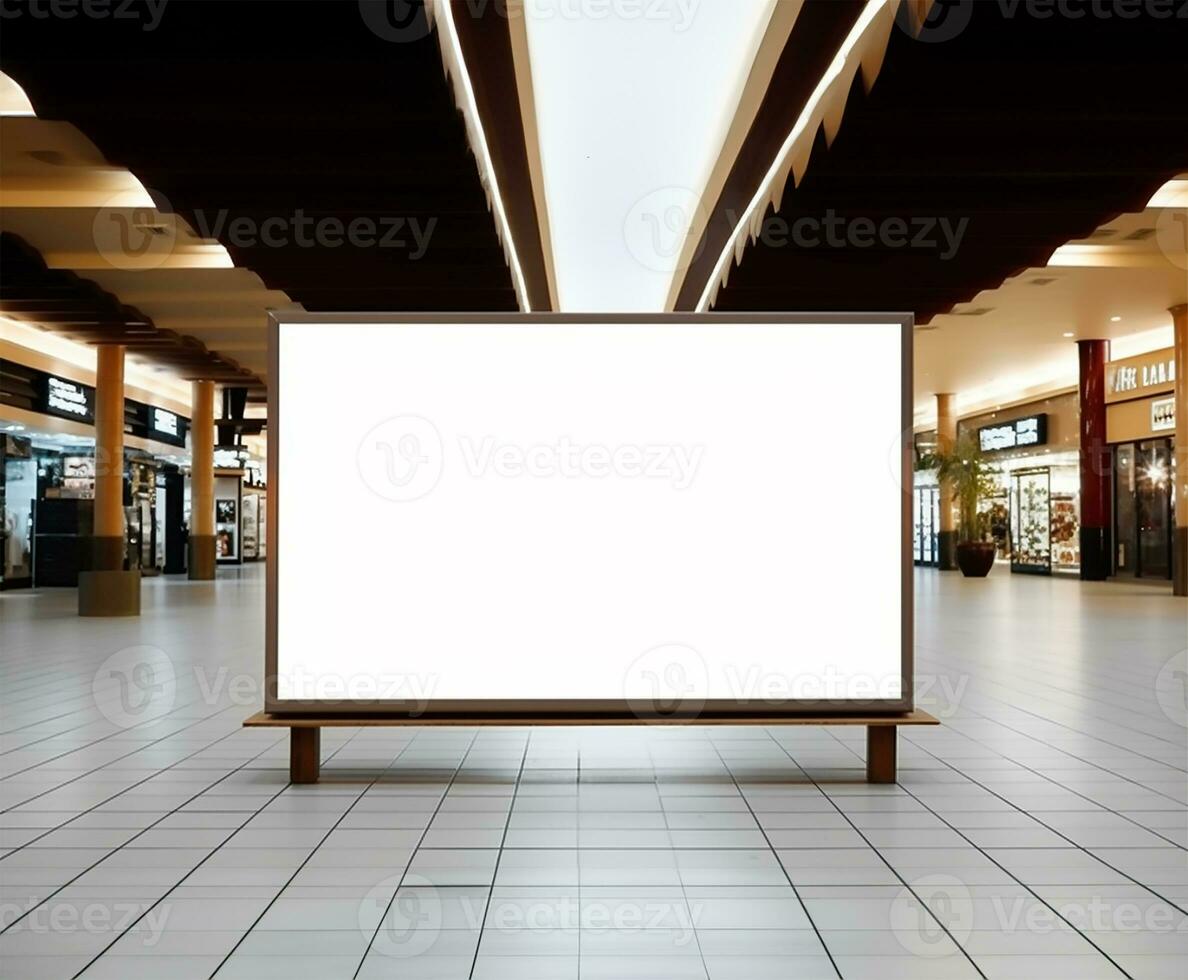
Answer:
x=13 y=100
x=1173 y=194
x=632 y=114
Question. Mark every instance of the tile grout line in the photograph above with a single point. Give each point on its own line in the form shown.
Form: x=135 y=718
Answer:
x=882 y=858
x=412 y=857
x=771 y=847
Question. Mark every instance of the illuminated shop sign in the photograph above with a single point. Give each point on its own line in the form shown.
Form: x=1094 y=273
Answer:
x=1163 y=414
x=1016 y=434
x=68 y=399
x=165 y=422
x=1145 y=374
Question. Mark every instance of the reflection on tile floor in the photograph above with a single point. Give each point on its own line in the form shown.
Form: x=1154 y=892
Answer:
x=1040 y=833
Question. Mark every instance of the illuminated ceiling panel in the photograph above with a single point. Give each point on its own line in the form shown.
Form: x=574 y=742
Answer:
x=632 y=114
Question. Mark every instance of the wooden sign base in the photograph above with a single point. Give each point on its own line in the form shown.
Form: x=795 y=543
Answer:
x=305 y=732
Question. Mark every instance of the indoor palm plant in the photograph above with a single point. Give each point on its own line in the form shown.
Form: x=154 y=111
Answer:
x=967 y=474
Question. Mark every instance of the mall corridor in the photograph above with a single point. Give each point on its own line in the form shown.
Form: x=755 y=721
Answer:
x=147 y=834
x=593 y=490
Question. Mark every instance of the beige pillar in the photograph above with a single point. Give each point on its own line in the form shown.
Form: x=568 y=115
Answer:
x=104 y=588
x=202 y=533
x=946 y=436
x=1180 y=541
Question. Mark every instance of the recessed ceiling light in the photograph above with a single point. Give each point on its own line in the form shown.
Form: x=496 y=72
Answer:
x=1068 y=333
x=1115 y=319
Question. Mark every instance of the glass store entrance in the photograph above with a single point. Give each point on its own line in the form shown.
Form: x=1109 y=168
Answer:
x=1143 y=517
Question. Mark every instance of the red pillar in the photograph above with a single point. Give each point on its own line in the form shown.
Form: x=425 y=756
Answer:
x=1096 y=502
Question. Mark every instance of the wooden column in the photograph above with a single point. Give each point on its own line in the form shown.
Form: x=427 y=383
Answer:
x=1180 y=453
x=1096 y=470
x=202 y=533
x=104 y=588
x=946 y=436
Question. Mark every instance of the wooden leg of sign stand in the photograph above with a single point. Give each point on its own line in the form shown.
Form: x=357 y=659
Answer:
x=880 y=753
x=305 y=754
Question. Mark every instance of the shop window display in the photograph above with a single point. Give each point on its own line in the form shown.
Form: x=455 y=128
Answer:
x=18 y=489
x=1031 y=521
x=925 y=525
x=1035 y=518
x=226 y=528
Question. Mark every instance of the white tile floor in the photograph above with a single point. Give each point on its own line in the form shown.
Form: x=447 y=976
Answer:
x=1040 y=833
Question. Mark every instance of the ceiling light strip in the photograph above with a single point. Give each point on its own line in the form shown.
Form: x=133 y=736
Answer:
x=842 y=69
x=455 y=65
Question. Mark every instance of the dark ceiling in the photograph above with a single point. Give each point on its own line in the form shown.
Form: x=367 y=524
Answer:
x=322 y=113
x=1032 y=130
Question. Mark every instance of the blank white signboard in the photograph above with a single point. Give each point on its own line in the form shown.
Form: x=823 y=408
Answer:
x=694 y=515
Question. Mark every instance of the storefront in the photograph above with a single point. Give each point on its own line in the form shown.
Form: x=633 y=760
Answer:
x=240 y=506
x=1034 y=514
x=47 y=480
x=926 y=504
x=1140 y=427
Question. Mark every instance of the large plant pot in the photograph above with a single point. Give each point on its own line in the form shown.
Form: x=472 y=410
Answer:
x=975 y=558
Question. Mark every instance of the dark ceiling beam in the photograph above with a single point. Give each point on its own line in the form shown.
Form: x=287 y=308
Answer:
x=1023 y=132
x=484 y=33
x=230 y=111
x=817 y=34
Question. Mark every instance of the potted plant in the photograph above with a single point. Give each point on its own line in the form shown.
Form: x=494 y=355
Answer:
x=965 y=471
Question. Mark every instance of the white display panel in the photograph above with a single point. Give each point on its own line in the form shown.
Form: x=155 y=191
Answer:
x=703 y=513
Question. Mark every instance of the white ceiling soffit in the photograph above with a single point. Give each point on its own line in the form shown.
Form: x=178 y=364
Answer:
x=861 y=51
x=634 y=102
